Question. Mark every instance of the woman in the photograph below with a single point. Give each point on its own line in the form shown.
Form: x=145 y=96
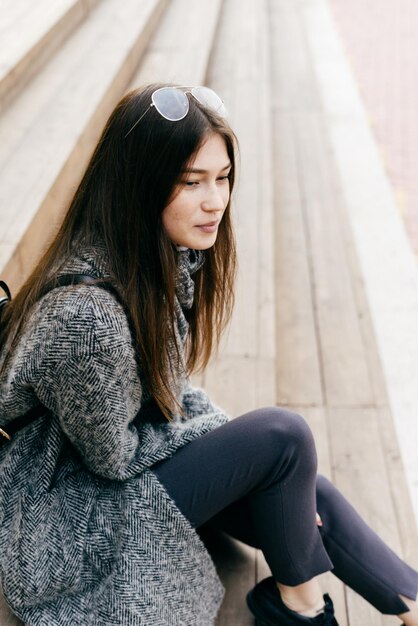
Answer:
x=119 y=460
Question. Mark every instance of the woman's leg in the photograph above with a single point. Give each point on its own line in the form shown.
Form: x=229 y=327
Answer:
x=254 y=478
x=361 y=559
x=268 y=455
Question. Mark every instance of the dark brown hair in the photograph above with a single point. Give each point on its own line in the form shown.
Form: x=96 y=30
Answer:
x=120 y=199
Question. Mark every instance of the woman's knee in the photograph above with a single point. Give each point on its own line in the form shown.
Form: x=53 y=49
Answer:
x=282 y=427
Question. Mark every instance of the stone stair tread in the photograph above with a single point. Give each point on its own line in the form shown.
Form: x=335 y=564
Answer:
x=47 y=120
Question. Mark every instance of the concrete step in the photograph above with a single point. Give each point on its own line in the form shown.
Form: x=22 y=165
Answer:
x=50 y=131
x=29 y=35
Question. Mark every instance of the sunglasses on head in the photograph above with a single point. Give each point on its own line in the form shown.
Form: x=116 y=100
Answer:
x=173 y=104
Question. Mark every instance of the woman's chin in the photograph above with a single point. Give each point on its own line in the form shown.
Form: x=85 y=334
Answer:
x=200 y=243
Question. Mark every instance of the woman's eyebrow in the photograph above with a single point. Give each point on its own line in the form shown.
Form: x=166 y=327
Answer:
x=193 y=170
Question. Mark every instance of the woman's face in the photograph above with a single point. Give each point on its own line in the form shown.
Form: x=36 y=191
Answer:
x=199 y=201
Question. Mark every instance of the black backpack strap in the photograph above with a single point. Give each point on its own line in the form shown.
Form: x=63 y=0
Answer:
x=65 y=280
x=6 y=289
x=4 y=299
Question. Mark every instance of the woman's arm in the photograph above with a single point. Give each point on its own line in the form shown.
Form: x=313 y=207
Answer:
x=88 y=378
x=96 y=397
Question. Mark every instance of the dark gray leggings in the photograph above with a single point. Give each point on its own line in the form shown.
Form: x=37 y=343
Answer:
x=255 y=478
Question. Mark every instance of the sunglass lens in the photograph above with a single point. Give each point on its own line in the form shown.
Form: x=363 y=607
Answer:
x=171 y=103
x=209 y=99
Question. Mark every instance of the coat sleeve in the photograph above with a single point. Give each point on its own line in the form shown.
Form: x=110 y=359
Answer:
x=88 y=378
x=196 y=403
x=96 y=397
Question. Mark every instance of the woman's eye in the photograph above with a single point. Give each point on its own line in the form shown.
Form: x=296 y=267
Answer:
x=195 y=183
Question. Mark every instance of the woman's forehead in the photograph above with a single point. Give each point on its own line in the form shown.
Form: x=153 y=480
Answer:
x=212 y=154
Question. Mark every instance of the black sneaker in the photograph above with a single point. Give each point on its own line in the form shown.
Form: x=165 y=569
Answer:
x=265 y=603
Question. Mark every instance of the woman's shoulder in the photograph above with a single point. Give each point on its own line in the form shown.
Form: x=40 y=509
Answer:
x=68 y=324
x=85 y=317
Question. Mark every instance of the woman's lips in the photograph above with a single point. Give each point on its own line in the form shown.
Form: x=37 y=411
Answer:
x=210 y=227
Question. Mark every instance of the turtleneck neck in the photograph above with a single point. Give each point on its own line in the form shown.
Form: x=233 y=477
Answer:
x=189 y=261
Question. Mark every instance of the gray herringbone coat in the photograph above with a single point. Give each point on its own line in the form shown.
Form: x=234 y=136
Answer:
x=88 y=535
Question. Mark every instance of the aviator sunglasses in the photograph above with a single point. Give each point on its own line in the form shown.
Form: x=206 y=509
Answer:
x=173 y=104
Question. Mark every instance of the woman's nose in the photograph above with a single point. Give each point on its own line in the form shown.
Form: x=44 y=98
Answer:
x=214 y=200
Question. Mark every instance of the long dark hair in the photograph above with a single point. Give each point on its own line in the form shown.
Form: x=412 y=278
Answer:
x=127 y=184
